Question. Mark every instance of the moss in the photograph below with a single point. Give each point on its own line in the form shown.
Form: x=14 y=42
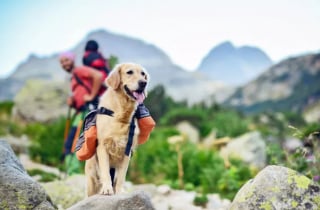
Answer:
x=275 y=189
x=317 y=201
x=266 y=205
x=300 y=181
x=245 y=196
x=4 y=205
x=294 y=204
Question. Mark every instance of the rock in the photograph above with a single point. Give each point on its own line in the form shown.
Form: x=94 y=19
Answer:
x=41 y=101
x=18 y=144
x=249 y=147
x=216 y=203
x=30 y=165
x=175 y=200
x=277 y=187
x=311 y=113
x=188 y=130
x=134 y=201
x=291 y=144
x=17 y=189
x=164 y=189
x=66 y=192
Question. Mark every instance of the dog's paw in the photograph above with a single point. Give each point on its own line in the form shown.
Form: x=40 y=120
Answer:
x=107 y=190
x=120 y=191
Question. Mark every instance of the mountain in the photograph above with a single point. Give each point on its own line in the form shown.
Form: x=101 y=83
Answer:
x=234 y=66
x=291 y=85
x=179 y=84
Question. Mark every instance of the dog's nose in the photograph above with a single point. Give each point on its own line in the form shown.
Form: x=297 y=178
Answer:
x=142 y=84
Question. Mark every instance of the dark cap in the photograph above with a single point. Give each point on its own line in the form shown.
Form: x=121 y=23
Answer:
x=91 y=46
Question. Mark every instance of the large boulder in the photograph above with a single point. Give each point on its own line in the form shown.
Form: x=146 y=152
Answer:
x=277 y=187
x=249 y=147
x=17 y=189
x=66 y=192
x=134 y=201
x=41 y=101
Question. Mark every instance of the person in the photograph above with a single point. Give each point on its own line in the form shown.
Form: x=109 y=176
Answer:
x=85 y=85
x=94 y=59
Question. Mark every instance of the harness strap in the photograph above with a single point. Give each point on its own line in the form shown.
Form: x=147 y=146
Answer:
x=130 y=138
x=105 y=111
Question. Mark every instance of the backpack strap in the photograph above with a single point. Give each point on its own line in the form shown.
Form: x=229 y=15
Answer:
x=80 y=82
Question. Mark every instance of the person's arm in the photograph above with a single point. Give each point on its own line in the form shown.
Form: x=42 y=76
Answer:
x=96 y=77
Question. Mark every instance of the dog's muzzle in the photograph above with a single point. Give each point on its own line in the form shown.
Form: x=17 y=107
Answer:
x=141 y=86
x=138 y=94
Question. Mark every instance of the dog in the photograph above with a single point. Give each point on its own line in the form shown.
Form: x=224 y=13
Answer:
x=126 y=88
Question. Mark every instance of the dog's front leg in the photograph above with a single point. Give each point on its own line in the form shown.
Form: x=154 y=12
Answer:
x=121 y=171
x=104 y=167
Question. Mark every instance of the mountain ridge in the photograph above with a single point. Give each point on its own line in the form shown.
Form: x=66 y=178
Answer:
x=180 y=84
x=224 y=61
x=290 y=85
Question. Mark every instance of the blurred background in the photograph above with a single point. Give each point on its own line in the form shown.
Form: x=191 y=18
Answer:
x=234 y=84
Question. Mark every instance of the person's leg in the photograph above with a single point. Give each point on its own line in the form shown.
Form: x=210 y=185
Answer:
x=69 y=141
x=72 y=164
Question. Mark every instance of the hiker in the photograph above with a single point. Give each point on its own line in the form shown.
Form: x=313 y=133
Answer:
x=85 y=85
x=94 y=59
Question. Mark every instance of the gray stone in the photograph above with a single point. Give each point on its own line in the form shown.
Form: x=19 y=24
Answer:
x=249 y=147
x=135 y=201
x=17 y=189
x=277 y=187
x=41 y=101
x=68 y=191
x=188 y=130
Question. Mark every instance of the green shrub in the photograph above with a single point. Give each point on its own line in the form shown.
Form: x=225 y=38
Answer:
x=7 y=126
x=45 y=176
x=229 y=123
x=47 y=141
x=201 y=200
x=275 y=154
x=152 y=162
x=6 y=107
x=175 y=116
x=232 y=179
x=204 y=170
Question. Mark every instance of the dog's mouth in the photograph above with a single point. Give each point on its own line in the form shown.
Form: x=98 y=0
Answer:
x=137 y=95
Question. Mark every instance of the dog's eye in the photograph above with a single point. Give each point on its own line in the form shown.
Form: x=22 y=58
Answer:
x=130 y=72
x=143 y=74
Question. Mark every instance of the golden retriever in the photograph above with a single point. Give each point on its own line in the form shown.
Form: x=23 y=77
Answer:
x=126 y=89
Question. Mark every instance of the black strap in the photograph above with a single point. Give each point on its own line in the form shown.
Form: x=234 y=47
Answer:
x=105 y=111
x=80 y=82
x=130 y=138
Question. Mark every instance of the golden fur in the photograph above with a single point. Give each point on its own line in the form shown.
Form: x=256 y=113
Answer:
x=112 y=131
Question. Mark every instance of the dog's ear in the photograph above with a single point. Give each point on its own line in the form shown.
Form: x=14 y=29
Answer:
x=147 y=78
x=113 y=79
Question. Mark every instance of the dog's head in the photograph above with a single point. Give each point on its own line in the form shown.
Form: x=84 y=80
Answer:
x=130 y=78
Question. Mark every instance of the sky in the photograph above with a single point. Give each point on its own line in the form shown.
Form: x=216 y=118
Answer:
x=186 y=30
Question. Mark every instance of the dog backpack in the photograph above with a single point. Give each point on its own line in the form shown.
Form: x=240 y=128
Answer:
x=145 y=123
x=87 y=141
